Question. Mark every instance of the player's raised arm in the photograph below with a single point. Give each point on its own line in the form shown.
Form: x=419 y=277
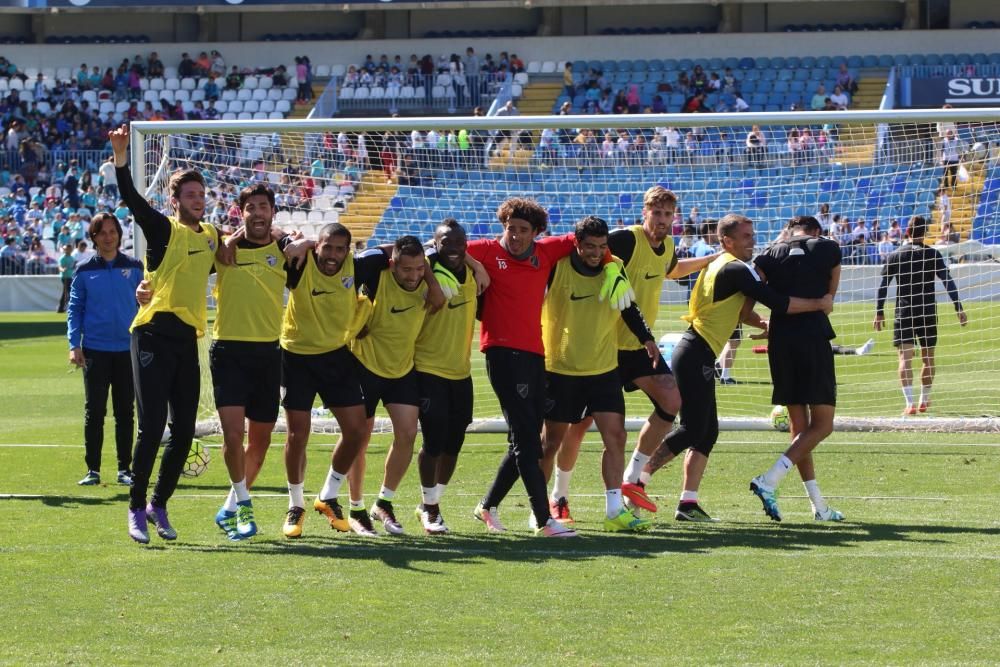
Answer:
x=155 y=226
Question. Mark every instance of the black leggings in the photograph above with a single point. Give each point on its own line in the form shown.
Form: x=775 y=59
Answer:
x=105 y=370
x=166 y=378
x=693 y=363
x=518 y=378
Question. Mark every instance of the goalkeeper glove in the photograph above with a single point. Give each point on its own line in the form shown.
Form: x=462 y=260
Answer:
x=447 y=280
x=616 y=288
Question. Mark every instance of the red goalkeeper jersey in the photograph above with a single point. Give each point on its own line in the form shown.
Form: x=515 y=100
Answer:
x=512 y=306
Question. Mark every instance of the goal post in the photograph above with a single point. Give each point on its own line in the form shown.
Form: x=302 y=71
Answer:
x=385 y=177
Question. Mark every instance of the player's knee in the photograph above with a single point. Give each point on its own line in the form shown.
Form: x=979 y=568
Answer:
x=668 y=415
x=705 y=446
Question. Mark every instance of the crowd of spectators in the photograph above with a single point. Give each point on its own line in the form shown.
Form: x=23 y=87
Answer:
x=469 y=76
x=600 y=97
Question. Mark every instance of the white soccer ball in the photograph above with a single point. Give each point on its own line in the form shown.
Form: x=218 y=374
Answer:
x=780 y=419
x=666 y=345
x=980 y=151
x=197 y=460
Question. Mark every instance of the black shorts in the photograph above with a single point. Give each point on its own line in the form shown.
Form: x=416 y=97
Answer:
x=445 y=412
x=634 y=364
x=570 y=398
x=376 y=388
x=802 y=371
x=918 y=327
x=333 y=375
x=247 y=374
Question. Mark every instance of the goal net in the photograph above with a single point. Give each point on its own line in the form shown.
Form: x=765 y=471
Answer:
x=863 y=174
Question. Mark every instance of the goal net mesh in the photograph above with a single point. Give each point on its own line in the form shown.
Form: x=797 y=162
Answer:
x=862 y=174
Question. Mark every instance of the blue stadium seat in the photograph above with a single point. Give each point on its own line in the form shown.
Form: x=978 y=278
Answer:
x=746 y=63
x=869 y=61
x=778 y=63
x=792 y=62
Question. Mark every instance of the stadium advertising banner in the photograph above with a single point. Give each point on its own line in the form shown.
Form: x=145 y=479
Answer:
x=957 y=91
x=208 y=4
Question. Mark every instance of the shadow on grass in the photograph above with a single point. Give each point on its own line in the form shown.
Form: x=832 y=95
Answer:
x=420 y=553
x=14 y=330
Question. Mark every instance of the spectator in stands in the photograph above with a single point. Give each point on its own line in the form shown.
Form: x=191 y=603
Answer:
x=793 y=146
x=351 y=78
x=658 y=104
x=819 y=98
x=302 y=80
x=66 y=270
x=83 y=76
x=885 y=246
x=895 y=232
x=203 y=65
x=187 y=67
x=456 y=69
x=211 y=89
x=947 y=236
x=134 y=84
x=950 y=158
x=11 y=261
x=861 y=234
x=218 y=64
x=516 y=64
x=38 y=260
x=155 y=68
x=632 y=98
x=839 y=98
x=71 y=186
x=569 y=86
x=683 y=83
x=108 y=80
x=81 y=254
x=845 y=80
x=825 y=218
x=695 y=104
x=699 y=80
x=714 y=83
x=234 y=80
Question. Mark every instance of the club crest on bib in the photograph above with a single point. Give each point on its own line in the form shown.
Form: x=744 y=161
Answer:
x=534 y=261
x=126 y=273
x=522 y=390
x=271 y=260
x=211 y=244
x=347 y=281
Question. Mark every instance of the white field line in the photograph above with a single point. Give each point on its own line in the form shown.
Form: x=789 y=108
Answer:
x=596 y=443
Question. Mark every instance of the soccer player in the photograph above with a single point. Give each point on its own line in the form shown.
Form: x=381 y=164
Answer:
x=581 y=338
x=444 y=376
x=649 y=256
x=519 y=265
x=322 y=317
x=802 y=370
x=245 y=357
x=718 y=302
x=101 y=308
x=914 y=267
x=385 y=350
x=180 y=253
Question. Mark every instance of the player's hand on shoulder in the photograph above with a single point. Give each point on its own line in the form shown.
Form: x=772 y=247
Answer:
x=296 y=251
x=435 y=299
x=226 y=254
x=143 y=293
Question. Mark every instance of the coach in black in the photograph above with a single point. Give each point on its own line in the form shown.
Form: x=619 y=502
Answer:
x=915 y=266
x=804 y=265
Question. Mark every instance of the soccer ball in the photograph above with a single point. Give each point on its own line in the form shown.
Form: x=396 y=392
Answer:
x=197 y=460
x=980 y=151
x=779 y=418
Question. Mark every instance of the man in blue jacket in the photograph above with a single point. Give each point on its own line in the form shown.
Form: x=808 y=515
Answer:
x=101 y=308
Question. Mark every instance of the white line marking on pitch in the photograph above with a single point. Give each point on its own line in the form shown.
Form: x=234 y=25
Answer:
x=899 y=443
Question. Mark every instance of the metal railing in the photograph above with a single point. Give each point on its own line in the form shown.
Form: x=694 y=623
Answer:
x=87 y=159
x=945 y=71
x=439 y=92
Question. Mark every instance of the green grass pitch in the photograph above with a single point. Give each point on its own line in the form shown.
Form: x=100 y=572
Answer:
x=911 y=578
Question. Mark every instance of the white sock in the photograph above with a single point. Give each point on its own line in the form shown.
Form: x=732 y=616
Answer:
x=439 y=491
x=427 y=495
x=644 y=477
x=357 y=504
x=773 y=477
x=560 y=485
x=230 y=504
x=296 y=495
x=815 y=497
x=634 y=468
x=726 y=373
x=689 y=496
x=386 y=494
x=908 y=394
x=240 y=489
x=925 y=394
x=332 y=485
x=612 y=502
